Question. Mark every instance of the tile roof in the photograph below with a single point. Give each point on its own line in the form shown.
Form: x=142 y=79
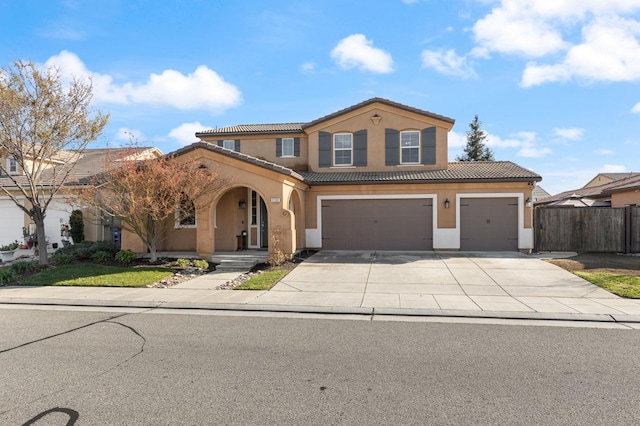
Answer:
x=299 y=127
x=600 y=191
x=254 y=128
x=479 y=171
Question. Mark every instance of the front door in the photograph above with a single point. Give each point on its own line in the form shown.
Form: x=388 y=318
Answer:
x=258 y=221
x=264 y=225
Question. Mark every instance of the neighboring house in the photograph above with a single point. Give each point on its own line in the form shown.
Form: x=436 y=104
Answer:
x=617 y=193
x=604 y=178
x=374 y=176
x=91 y=162
x=539 y=194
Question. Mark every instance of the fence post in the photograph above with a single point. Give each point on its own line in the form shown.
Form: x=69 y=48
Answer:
x=627 y=229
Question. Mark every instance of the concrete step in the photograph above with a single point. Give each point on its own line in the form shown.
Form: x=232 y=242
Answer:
x=238 y=262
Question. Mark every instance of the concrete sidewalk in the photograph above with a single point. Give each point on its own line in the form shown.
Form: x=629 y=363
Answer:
x=482 y=285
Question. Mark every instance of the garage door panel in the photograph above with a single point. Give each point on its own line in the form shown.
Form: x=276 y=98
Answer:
x=489 y=224
x=377 y=224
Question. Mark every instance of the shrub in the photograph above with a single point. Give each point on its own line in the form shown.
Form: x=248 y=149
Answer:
x=22 y=267
x=182 y=263
x=201 y=263
x=10 y=246
x=102 y=256
x=125 y=256
x=76 y=223
x=60 y=258
x=7 y=275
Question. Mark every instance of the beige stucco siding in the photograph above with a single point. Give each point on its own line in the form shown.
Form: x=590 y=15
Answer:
x=624 y=198
x=388 y=118
x=264 y=147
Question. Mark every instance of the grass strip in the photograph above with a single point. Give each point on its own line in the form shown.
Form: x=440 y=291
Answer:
x=93 y=275
x=623 y=285
x=264 y=281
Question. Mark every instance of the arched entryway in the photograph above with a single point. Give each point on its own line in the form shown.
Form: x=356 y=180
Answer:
x=241 y=220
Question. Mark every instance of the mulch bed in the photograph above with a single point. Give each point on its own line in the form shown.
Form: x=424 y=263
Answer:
x=618 y=264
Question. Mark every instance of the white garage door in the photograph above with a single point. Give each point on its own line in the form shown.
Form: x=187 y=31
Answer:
x=11 y=222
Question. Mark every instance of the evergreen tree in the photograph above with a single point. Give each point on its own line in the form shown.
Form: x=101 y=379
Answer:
x=476 y=150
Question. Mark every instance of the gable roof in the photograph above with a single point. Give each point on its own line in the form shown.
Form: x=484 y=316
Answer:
x=300 y=127
x=610 y=177
x=382 y=101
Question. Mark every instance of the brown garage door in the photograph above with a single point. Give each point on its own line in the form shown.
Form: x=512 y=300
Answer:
x=489 y=224
x=377 y=224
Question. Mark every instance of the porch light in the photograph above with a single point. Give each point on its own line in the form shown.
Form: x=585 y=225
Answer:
x=242 y=204
x=446 y=203
x=528 y=203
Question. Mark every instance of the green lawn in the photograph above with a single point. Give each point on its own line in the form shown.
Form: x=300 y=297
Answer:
x=92 y=275
x=622 y=285
x=264 y=281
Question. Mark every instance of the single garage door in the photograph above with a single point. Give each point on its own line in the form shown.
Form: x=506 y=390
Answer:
x=12 y=221
x=405 y=224
x=489 y=224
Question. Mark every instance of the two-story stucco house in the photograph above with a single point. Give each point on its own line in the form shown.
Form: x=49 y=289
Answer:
x=374 y=176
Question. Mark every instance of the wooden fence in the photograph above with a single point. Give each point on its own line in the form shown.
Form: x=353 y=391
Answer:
x=587 y=229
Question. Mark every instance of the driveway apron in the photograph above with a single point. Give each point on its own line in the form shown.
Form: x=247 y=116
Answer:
x=472 y=281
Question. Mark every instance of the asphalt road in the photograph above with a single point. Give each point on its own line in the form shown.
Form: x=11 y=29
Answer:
x=90 y=368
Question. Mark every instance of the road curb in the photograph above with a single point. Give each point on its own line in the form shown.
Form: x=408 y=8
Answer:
x=333 y=310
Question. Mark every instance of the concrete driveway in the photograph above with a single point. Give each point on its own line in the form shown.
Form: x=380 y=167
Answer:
x=471 y=281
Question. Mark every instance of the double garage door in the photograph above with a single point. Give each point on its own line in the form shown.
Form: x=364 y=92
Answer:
x=382 y=224
x=486 y=224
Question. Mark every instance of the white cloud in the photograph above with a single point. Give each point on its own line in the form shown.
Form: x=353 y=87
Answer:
x=525 y=142
x=456 y=140
x=609 y=52
x=308 y=67
x=130 y=135
x=592 y=40
x=447 y=63
x=355 y=51
x=636 y=108
x=603 y=152
x=184 y=134
x=613 y=168
x=202 y=89
x=512 y=29
x=569 y=133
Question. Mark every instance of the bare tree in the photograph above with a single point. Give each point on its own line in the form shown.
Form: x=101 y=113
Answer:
x=45 y=125
x=149 y=196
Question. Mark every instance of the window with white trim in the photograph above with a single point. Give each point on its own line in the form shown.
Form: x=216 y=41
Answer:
x=288 y=147
x=410 y=147
x=229 y=144
x=12 y=166
x=342 y=149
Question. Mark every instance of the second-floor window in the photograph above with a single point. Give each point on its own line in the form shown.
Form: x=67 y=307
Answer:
x=410 y=147
x=229 y=144
x=342 y=149
x=12 y=166
x=288 y=147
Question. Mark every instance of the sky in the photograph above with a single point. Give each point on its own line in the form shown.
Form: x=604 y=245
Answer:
x=555 y=83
